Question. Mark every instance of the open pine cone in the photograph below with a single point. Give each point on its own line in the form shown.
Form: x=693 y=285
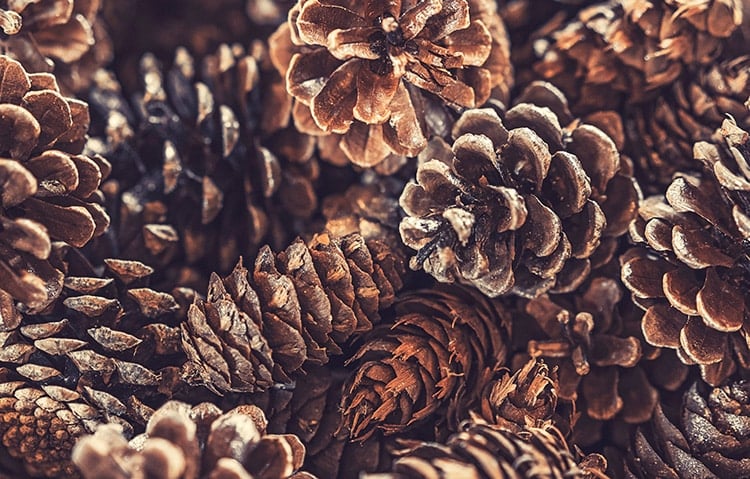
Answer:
x=431 y=364
x=181 y=442
x=707 y=438
x=633 y=47
x=481 y=450
x=64 y=36
x=256 y=328
x=521 y=204
x=366 y=70
x=48 y=189
x=690 y=269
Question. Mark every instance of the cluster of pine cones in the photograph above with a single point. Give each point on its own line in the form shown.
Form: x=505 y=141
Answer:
x=381 y=239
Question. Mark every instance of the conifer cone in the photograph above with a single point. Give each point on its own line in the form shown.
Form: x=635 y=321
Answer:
x=444 y=346
x=689 y=271
x=48 y=189
x=192 y=185
x=521 y=205
x=296 y=307
x=662 y=133
x=633 y=48
x=484 y=451
x=65 y=37
x=108 y=349
x=181 y=442
x=707 y=437
x=310 y=410
x=381 y=79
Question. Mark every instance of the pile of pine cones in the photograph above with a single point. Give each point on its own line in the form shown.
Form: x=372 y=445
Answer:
x=379 y=239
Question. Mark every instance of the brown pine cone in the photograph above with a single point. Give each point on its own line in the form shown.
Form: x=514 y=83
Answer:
x=519 y=205
x=362 y=70
x=200 y=177
x=181 y=442
x=481 y=450
x=633 y=47
x=431 y=364
x=48 y=189
x=707 y=438
x=690 y=270
x=662 y=133
x=66 y=37
x=526 y=398
x=296 y=307
x=40 y=424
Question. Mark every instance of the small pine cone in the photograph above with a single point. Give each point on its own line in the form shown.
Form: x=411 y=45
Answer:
x=690 y=270
x=39 y=426
x=256 y=328
x=526 y=398
x=67 y=38
x=376 y=66
x=432 y=363
x=268 y=12
x=181 y=442
x=49 y=190
x=109 y=343
x=519 y=205
x=481 y=450
x=662 y=133
x=633 y=47
x=193 y=183
x=707 y=438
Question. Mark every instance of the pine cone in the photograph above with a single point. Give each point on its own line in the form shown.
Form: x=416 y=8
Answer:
x=662 y=133
x=431 y=364
x=65 y=37
x=690 y=270
x=268 y=12
x=526 y=398
x=190 y=443
x=109 y=345
x=49 y=190
x=298 y=306
x=633 y=48
x=412 y=58
x=519 y=205
x=481 y=450
x=708 y=437
x=192 y=184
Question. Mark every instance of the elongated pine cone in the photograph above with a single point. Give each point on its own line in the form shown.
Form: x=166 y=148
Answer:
x=520 y=204
x=431 y=364
x=526 y=398
x=108 y=348
x=181 y=442
x=66 y=37
x=365 y=70
x=192 y=185
x=257 y=328
x=48 y=189
x=482 y=450
x=634 y=47
x=689 y=271
x=707 y=437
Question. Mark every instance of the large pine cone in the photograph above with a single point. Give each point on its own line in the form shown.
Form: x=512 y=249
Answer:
x=518 y=205
x=191 y=183
x=481 y=450
x=634 y=47
x=49 y=191
x=707 y=438
x=443 y=348
x=66 y=37
x=255 y=329
x=181 y=442
x=366 y=70
x=690 y=270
